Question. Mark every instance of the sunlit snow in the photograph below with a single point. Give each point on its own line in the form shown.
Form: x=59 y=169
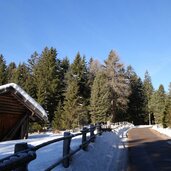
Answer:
x=108 y=152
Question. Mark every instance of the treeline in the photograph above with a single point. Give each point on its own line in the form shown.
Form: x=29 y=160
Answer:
x=80 y=93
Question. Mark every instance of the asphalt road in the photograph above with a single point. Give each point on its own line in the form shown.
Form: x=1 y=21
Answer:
x=148 y=150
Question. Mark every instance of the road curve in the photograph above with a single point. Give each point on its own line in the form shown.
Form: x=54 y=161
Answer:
x=148 y=150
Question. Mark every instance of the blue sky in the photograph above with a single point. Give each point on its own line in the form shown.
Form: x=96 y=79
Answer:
x=139 y=31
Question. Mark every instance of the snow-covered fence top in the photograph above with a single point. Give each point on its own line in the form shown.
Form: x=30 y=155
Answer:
x=24 y=153
x=40 y=112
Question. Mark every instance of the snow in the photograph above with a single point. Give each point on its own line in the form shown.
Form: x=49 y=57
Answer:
x=165 y=131
x=27 y=98
x=143 y=126
x=108 y=152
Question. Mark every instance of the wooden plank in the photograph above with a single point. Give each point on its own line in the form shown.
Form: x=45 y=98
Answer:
x=5 y=109
x=10 y=100
x=7 y=123
x=13 y=103
x=12 y=134
x=10 y=105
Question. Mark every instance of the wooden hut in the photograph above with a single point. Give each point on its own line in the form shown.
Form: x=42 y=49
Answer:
x=17 y=108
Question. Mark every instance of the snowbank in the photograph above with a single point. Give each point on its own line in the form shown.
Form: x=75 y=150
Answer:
x=143 y=126
x=165 y=131
x=108 y=152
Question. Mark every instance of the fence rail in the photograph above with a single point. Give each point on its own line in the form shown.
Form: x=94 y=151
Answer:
x=25 y=153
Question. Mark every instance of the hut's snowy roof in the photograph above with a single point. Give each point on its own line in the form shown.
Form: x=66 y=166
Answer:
x=39 y=111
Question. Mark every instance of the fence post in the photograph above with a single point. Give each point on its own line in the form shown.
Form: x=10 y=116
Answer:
x=84 y=138
x=66 y=149
x=20 y=147
x=92 y=128
x=99 y=129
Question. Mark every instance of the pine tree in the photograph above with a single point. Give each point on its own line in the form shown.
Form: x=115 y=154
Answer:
x=167 y=111
x=71 y=105
x=157 y=104
x=64 y=66
x=78 y=73
x=33 y=61
x=148 y=90
x=93 y=67
x=2 y=70
x=57 y=123
x=31 y=82
x=47 y=81
x=20 y=75
x=136 y=105
x=59 y=118
x=118 y=84
x=11 y=69
x=100 y=99
x=30 y=86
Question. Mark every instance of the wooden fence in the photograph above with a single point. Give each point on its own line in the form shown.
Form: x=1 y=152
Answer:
x=25 y=153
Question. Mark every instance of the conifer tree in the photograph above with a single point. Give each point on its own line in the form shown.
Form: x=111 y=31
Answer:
x=47 y=81
x=157 y=105
x=100 y=99
x=2 y=70
x=59 y=118
x=31 y=83
x=33 y=61
x=11 y=69
x=57 y=123
x=148 y=90
x=167 y=111
x=118 y=84
x=71 y=105
x=136 y=105
x=78 y=73
x=20 y=75
x=93 y=67
x=64 y=66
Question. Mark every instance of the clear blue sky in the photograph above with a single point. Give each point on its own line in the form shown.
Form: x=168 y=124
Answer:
x=139 y=30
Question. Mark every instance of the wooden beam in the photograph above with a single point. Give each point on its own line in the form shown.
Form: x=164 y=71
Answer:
x=12 y=133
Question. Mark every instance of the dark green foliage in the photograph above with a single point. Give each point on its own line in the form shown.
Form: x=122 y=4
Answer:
x=148 y=87
x=34 y=127
x=78 y=91
x=10 y=72
x=63 y=67
x=47 y=81
x=70 y=93
x=21 y=75
x=136 y=105
x=148 y=92
x=167 y=112
x=79 y=72
x=31 y=84
x=83 y=114
x=33 y=61
x=57 y=123
x=100 y=99
x=71 y=105
x=157 y=105
x=2 y=70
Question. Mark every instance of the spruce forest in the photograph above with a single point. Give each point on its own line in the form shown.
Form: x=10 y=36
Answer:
x=84 y=92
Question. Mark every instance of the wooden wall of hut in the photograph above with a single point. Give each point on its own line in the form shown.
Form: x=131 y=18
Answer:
x=14 y=117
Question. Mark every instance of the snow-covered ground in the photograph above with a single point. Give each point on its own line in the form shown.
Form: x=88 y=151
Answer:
x=165 y=131
x=108 y=152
